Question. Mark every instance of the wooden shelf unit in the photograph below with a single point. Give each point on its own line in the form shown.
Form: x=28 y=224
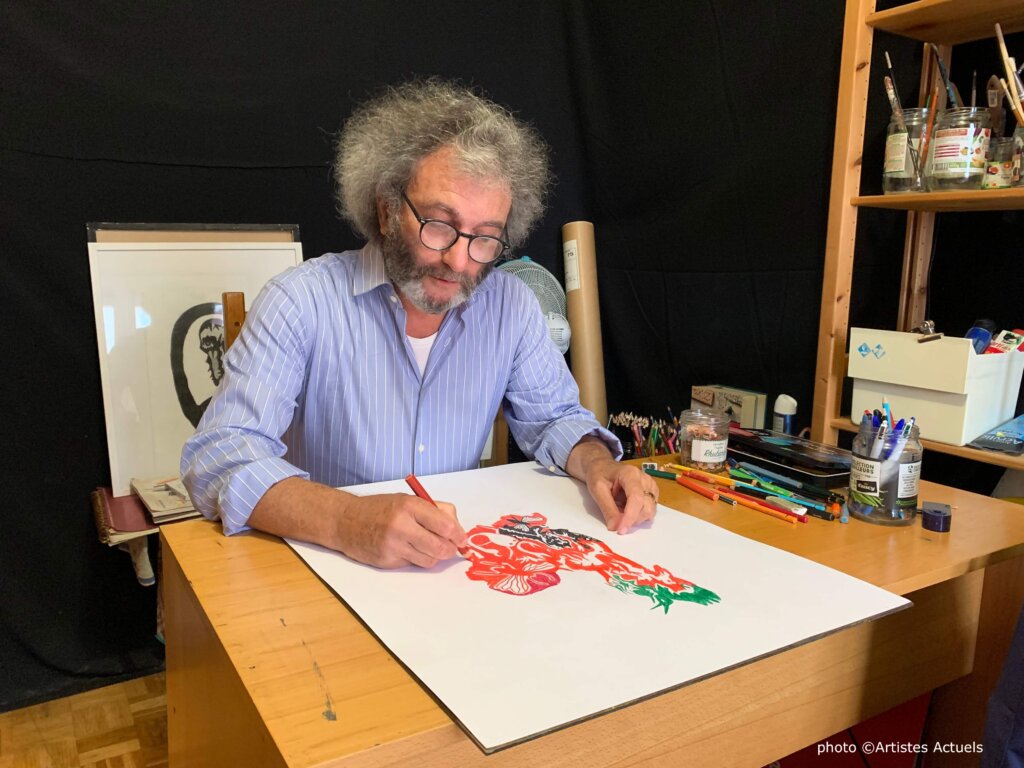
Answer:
x=945 y=23
x=844 y=424
x=937 y=202
x=948 y=22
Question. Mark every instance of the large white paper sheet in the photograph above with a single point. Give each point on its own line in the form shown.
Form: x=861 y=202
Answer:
x=509 y=667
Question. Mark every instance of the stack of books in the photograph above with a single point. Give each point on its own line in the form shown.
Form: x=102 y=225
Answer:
x=119 y=518
x=165 y=498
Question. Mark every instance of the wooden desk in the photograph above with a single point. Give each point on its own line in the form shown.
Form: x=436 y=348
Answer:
x=266 y=667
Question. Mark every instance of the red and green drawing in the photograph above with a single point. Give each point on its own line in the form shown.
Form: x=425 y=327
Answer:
x=521 y=555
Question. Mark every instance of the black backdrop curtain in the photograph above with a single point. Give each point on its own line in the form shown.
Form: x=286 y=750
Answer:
x=696 y=135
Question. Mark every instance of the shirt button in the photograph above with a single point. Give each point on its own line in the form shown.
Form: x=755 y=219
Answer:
x=422 y=447
x=394 y=299
x=552 y=469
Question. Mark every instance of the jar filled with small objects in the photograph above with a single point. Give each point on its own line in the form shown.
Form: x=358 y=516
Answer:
x=703 y=439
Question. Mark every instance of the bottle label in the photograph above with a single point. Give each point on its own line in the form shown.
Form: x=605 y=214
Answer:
x=960 y=152
x=910 y=477
x=709 y=451
x=898 y=163
x=570 y=254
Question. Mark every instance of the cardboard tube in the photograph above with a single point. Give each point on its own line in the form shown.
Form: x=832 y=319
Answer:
x=586 y=352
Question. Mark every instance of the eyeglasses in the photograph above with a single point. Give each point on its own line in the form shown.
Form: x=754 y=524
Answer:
x=439 y=235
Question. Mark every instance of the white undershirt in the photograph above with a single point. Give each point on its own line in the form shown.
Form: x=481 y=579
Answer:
x=421 y=349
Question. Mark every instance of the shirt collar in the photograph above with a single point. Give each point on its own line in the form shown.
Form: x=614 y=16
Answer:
x=370 y=274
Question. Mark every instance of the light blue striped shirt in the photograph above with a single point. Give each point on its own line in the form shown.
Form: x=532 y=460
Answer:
x=322 y=383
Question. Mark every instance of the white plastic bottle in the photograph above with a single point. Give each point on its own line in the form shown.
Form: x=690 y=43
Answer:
x=783 y=414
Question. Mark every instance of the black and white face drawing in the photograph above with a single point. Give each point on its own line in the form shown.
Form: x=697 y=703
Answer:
x=197 y=357
x=211 y=342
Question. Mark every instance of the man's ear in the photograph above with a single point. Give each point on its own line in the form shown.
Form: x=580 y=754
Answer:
x=382 y=215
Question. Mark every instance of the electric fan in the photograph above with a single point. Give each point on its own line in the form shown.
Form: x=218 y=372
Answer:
x=549 y=293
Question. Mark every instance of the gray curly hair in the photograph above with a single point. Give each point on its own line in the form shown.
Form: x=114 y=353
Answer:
x=385 y=138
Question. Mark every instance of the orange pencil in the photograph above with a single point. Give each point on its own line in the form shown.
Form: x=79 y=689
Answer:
x=768 y=503
x=728 y=482
x=697 y=488
x=760 y=508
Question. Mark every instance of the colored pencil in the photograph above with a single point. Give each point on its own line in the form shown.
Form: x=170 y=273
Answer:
x=661 y=473
x=697 y=488
x=705 y=476
x=418 y=489
x=767 y=503
x=746 y=502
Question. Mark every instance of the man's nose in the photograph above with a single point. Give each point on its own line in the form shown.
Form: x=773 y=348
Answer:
x=456 y=258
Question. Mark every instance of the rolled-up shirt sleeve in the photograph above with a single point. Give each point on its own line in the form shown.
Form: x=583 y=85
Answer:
x=236 y=453
x=542 y=401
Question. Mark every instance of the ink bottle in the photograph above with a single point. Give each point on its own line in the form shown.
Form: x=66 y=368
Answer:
x=958 y=148
x=900 y=173
x=703 y=439
x=884 y=475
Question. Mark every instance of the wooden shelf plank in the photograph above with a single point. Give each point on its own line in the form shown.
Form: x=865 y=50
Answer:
x=963 y=451
x=971 y=200
x=950 y=21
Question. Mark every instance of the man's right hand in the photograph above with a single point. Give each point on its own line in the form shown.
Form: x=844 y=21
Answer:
x=394 y=530
x=388 y=530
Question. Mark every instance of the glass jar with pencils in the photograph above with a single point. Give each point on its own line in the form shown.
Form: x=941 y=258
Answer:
x=703 y=439
x=885 y=473
x=901 y=172
x=958 y=148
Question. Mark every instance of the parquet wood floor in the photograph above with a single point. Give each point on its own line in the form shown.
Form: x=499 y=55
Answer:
x=120 y=726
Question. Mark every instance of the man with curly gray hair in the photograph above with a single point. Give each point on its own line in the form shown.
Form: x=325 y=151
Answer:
x=373 y=364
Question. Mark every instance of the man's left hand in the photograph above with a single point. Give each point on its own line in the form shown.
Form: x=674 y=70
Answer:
x=625 y=495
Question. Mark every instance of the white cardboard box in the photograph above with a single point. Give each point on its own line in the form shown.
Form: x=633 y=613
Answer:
x=954 y=393
x=743 y=406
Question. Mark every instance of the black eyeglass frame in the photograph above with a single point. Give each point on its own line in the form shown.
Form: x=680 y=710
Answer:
x=505 y=245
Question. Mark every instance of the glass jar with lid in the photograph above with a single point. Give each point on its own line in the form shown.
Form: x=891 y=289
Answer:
x=958 y=148
x=901 y=171
x=703 y=439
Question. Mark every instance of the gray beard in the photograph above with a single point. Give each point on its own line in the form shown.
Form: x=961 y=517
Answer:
x=407 y=276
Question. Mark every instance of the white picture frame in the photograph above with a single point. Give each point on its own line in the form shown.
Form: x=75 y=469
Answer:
x=159 y=329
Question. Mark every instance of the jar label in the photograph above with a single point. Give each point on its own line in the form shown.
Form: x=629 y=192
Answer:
x=865 y=476
x=998 y=175
x=910 y=477
x=885 y=485
x=898 y=162
x=709 y=451
x=960 y=152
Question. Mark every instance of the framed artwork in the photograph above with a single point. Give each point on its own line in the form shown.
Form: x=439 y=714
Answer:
x=160 y=332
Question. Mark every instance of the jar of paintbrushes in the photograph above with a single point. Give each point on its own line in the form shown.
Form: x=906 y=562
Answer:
x=885 y=471
x=902 y=171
